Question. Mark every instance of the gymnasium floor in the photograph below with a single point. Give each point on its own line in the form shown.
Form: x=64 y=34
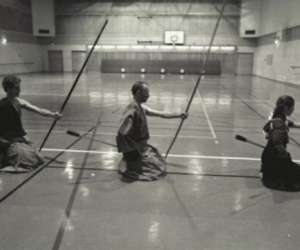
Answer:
x=211 y=199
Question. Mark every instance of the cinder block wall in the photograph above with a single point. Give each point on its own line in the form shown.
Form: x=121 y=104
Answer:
x=22 y=53
x=133 y=22
x=280 y=61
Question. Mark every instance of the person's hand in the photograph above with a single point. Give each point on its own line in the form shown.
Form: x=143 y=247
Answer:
x=57 y=115
x=291 y=124
x=184 y=115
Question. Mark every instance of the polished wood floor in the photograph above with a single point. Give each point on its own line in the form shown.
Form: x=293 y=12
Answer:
x=211 y=199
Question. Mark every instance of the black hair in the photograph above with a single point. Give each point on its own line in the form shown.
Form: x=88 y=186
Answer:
x=10 y=81
x=138 y=86
x=282 y=102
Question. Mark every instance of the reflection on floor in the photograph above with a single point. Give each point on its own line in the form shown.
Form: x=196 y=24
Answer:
x=212 y=197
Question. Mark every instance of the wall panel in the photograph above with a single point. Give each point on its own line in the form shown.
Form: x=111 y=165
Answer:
x=78 y=58
x=55 y=61
x=244 y=64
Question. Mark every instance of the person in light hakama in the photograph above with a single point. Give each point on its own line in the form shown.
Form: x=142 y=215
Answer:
x=17 y=153
x=141 y=161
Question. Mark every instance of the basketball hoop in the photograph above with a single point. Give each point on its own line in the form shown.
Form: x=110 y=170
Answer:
x=174 y=39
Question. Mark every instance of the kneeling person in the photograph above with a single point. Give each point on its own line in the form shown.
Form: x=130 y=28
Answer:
x=142 y=161
x=278 y=169
x=16 y=151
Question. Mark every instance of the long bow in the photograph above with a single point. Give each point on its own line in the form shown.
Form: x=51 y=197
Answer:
x=75 y=82
x=202 y=73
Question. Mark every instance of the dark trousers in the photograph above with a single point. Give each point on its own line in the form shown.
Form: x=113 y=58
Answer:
x=133 y=161
x=279 y=173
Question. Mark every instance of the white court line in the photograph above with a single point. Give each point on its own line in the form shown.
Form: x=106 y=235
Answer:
x=212 y=130
x=114 y=134
x=248 y=100
x=53 y=94
x=128 y=96
x=211 y=157
x=101 y=96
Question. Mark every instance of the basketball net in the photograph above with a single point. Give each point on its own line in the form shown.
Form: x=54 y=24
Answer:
x=174 y=39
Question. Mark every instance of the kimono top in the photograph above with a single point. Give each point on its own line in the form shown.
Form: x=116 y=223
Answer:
x=277 y=130
x=133 y=132
x=11 y=124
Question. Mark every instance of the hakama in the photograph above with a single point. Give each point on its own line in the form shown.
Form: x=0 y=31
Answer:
x=278 y=170
x=141 y=161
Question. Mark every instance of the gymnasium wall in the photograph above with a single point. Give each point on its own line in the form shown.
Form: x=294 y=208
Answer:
x=280 y=21
x=131 y=21
x=20 y=58
x=172 y=62
x=21 y=53
x=134 y=22
x=73 y=57
x=279 y=62
x=277 y=15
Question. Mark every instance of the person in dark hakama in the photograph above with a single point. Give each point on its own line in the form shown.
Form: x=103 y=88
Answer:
x=17 y=153
x=141 y=161
x=278 y=170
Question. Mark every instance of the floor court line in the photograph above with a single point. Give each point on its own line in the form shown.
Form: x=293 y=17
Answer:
x=128 y=97
x=42 y=167
x=114 y=134
x=212 y=130
x=168 y=172
x=101 y=96
x=211 y=157
x=68 y=210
